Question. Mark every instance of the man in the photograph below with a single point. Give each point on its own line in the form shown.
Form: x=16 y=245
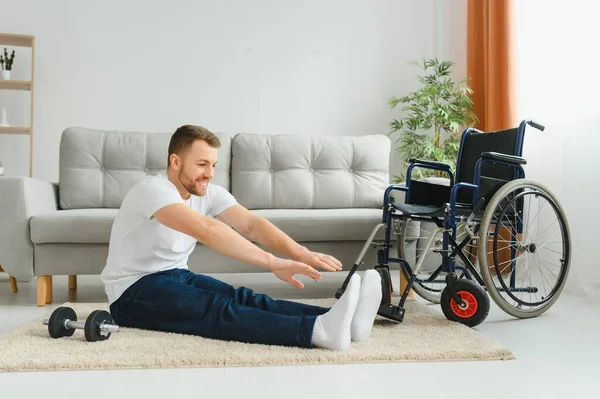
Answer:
x=161 y=219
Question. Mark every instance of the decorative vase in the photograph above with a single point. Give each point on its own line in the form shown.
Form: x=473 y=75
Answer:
x=4 y=122
x=6 y=75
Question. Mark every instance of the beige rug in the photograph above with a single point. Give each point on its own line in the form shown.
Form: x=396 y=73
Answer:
x=424 y=335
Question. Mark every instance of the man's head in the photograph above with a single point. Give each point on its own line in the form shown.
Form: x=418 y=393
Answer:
x=193 y=154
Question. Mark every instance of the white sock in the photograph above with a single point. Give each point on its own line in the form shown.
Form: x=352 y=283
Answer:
x=368 y=305
x=332 y=329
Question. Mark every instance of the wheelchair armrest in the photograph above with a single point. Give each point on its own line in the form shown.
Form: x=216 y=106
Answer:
x=400 y=187
x=496 y=156
x=430 y=163
x=387 y=196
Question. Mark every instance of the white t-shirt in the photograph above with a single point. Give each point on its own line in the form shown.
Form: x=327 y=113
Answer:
x=140 y=245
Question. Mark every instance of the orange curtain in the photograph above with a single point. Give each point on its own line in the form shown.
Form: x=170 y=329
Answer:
x=489 y=62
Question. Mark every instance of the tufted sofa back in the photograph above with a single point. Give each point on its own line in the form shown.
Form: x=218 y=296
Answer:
x=98 y=167
x=293 y=171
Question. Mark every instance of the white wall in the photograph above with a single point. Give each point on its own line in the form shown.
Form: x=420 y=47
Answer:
x=558 y=86
x=308 y=67
x=273 y=67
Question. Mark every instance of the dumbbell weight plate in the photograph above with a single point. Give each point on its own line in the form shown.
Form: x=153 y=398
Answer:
x=56 y=326
x=92 y=324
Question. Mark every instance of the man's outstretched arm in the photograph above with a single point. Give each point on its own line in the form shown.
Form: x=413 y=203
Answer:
x=223 y=239
x=260 y=230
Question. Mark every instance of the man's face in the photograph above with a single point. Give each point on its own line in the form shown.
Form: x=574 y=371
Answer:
x=197 y=167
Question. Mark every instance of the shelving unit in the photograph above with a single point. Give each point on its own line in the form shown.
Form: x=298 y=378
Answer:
x=14 y=40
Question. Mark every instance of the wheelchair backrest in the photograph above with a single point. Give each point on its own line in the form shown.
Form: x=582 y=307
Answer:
x=492 y=175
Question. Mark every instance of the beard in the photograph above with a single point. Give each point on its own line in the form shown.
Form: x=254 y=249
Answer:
x=191 y=185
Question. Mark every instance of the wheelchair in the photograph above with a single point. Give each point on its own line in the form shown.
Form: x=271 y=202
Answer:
x=489 y=233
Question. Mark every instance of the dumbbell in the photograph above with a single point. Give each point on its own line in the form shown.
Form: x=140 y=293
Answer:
x=63 y=322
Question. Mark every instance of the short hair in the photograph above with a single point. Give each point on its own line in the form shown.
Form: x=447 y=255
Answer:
x=184 y=137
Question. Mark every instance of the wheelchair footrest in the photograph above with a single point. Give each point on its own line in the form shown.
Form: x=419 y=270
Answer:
x=386 y=310
x=391 y=311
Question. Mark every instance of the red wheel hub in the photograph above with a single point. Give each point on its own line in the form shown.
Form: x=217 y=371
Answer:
x=470 y=307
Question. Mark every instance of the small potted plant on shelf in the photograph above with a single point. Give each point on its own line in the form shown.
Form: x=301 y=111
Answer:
x=1 y=169
x=7 y=63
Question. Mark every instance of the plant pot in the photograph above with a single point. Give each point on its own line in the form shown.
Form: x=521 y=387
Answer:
x=1 y=171
x=6 y=75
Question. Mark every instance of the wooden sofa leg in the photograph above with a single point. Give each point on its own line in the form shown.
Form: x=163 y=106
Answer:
x=13 y=285
x=72 y=282
x=403 y=284
x=44 y=290
x=49 y=289
x=13 y=282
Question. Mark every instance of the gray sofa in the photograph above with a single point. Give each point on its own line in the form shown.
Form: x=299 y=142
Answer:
x=326 y=192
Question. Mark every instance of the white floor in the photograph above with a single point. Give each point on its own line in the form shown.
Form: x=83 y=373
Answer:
x=558 y=356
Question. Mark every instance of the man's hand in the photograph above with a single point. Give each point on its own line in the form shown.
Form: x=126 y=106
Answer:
x=319 y=260
x=285 y=269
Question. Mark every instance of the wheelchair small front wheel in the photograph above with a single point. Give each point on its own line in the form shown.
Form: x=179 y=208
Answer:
x=476 y=305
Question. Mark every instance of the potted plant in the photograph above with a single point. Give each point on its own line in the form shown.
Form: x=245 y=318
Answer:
x=434 y=117
x=7 y=63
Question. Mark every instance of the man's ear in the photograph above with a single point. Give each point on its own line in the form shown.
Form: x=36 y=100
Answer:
x=175 y=161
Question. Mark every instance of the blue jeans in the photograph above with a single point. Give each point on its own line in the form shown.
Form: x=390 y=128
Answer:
x=182 y=302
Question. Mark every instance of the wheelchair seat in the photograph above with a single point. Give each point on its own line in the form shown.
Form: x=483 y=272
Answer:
x=431 y=210
x=419 y=210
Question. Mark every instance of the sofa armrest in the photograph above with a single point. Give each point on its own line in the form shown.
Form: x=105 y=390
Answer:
x=20 y=199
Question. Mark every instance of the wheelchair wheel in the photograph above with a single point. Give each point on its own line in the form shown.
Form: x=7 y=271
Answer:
x=477 y=303
x=524 y=248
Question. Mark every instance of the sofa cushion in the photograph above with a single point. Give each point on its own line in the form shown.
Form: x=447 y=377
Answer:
x=93 y=226
x=98 y=167
x=344 y=224
x=300 y=172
